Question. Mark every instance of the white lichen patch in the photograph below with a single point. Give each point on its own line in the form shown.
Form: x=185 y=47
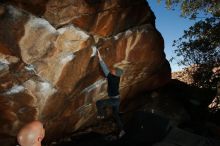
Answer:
x=46 y=89
x=15 y=13
x=116 y=37
x=30 y=67
x=3 y=67
x=62 y=30
x=76 y=31
x=95 y=85
x=128 y=33
x=4 y=61
x=15 y=89
x=40 y=89
x=94 y=51
x=66 y=58
x=37 y=40
x=36 y=22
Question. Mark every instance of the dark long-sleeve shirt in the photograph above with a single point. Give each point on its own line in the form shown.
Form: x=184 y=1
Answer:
x=113 y=81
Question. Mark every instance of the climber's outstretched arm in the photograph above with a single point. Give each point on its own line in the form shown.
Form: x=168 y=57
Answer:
x=103 y=65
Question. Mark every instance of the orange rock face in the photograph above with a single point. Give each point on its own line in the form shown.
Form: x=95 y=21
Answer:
x=48 y=65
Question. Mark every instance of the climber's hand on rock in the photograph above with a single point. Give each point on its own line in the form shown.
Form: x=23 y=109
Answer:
x=99 y=55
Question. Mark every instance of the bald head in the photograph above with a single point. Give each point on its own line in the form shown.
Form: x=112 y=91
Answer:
x=31 y=134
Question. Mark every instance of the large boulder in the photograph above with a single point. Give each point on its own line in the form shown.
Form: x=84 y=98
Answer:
x=48 y=64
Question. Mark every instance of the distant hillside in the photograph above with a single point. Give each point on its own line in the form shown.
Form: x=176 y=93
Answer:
x=185 y=75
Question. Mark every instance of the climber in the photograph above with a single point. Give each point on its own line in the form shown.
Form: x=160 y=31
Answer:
x=31 y=134
x=113 y=79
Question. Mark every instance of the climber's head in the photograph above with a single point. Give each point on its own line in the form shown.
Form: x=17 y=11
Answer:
x=117 y=71
x=31 y=134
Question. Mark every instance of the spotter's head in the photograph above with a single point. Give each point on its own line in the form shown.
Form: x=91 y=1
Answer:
x=31 y=134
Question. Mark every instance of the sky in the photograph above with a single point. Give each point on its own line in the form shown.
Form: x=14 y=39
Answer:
x=171 y=26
